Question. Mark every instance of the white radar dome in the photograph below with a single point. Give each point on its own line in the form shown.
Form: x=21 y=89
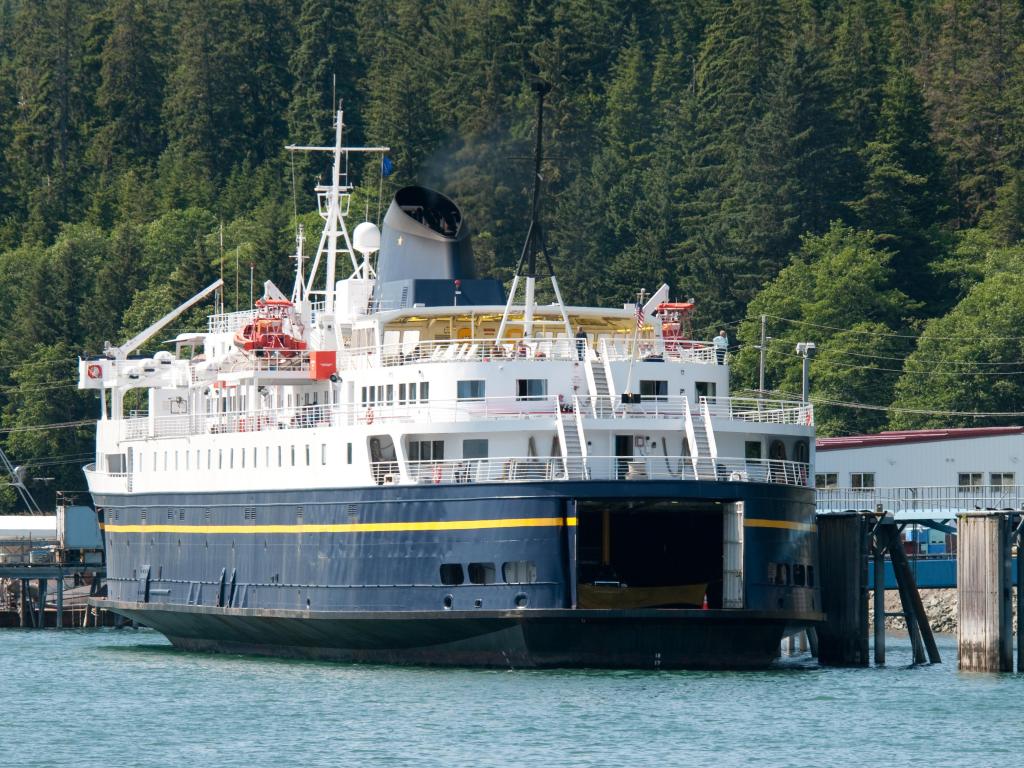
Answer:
x=366 y=238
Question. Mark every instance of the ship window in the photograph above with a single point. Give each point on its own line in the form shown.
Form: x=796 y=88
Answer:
x=426 y=450
x=652 y=389
x=254 y=450
x=266 y=457
x=279 y=450
x=519 y=572
x=231 y=458
x=752 y=450
x=362 y=396
x=481 y=573
x=348 y=453
x=451 y=574
x=243 y=457
x=1001 y=479
x=799 y=574
x=220 y=458
x=165 y=462
x=175 y=461
x=424 y=391
x=471 y=389
x=390 y=394
x=323 y=453
x=209 y=459
x=866 y=480
x=474 y=449
x=412 y=392
x=188 y=460
x=531 y=389
x=293 y=455
x=154 y=461
x=307 y=454
x=826 y=480
x=380 y=393
x=401 y=394
x=708 y=389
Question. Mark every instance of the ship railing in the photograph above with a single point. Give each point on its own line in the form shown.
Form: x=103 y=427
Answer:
x=649 y=407
x=226 y=322
x=298 y=417
x=537 y=468
x=760 y=411
x=416 y=352
x=472 y=409
x=106 y=481
x=616 y=348
x=270 y=361
x=939 y=500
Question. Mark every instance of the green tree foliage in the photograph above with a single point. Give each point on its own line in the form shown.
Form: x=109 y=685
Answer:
x=837 y=292
x=858 y=165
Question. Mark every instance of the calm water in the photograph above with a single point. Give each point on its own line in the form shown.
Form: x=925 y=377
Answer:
x=126 y=698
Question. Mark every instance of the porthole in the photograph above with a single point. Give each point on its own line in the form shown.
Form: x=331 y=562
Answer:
x=522 y=600
x=448 y=602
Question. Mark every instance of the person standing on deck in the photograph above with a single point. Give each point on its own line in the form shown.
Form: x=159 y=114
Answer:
x=721 y=344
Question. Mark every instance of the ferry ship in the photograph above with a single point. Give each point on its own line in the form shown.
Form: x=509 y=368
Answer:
x=409 y=465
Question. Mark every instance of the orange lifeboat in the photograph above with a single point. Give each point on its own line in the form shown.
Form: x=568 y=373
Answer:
x=266 y=333
x=677 y=324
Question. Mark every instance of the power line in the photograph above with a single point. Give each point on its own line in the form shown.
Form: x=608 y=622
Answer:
x=896 y=409
x=891 y=335
x=47 y=427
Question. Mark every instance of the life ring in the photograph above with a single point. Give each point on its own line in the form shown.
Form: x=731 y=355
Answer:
x=438 y=471
x=94 y=372
x=369 y=415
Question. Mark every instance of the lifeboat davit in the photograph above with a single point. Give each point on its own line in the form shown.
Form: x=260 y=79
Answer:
x=266 y=333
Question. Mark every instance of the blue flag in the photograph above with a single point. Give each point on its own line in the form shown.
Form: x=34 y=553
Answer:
x=387 y=166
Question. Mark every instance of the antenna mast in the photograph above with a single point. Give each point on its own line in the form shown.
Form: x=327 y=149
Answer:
x=534 y=241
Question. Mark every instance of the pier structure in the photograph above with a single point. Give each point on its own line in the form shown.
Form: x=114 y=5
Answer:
x=985 y=528
x=850 y=543
x=49 y=566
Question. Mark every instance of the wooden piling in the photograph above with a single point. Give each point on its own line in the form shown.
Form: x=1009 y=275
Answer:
x=878 y=550
x=921 y=637
x=984 y=640
x=843 y=551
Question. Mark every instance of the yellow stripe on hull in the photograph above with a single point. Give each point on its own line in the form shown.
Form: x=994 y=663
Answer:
x=783 y=524
x=430 y=525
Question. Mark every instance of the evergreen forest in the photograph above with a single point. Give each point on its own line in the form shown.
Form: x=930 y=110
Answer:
x=851 y=170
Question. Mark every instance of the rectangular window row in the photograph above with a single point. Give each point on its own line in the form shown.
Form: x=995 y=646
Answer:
x=791 y=574
x=242 y=458
x=512 y=572
x=384 y=394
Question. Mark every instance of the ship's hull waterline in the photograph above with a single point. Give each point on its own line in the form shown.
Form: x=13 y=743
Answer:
x=358 y=578
x=644 y=639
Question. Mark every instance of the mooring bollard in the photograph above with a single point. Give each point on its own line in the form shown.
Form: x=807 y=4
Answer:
x=984 y=636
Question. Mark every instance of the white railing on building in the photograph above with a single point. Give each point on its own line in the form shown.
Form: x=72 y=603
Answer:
x=760 y=411
x=945 y=500
x=226 y=322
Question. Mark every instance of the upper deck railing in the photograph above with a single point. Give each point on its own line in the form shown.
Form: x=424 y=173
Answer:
x=226 y=322
x=922 y=501
x=141 y=426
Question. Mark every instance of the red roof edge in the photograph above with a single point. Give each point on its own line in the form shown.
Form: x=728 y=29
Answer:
x=912 y=436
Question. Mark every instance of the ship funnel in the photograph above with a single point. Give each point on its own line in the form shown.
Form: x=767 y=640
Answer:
x=424 y=248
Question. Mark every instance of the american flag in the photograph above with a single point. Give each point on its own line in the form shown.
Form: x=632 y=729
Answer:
x=639 y=316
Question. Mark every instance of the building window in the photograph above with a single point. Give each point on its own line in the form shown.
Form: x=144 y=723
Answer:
x=969 y=481
x=708 y=389
x=651 y=389
x=862 y=480
x=1001 y=479
x=826 y=480
x=481 y=573
x=531 y=389
x=452 y=574
x=752 y=450
x=471 y=389
x=474 y=449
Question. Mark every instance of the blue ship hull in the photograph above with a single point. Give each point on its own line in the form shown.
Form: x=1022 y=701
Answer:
x=356 y=574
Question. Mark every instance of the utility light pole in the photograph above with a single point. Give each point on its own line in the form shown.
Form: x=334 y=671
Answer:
x=807 y=350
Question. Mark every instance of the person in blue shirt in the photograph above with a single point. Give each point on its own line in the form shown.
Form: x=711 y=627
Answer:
x=721 y=344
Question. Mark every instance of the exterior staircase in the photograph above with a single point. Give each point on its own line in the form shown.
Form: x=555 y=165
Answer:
x=573 y=442
x=602 y=398
x=701 y=439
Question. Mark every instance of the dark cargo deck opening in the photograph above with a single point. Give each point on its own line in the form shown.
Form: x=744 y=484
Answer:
x=649 y=553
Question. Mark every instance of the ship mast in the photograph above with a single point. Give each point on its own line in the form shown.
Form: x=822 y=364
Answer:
x=332 y=203
x=534 y=242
